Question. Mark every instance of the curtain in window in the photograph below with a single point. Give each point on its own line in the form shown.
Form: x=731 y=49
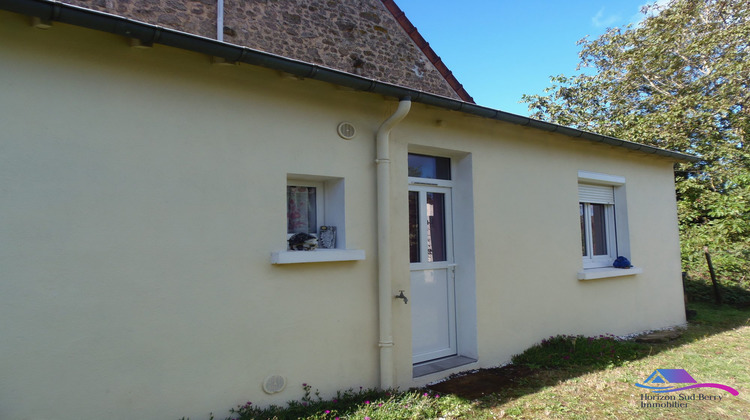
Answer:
x=300 y=210
x=582 y=208
x=414 y=226
x=599 y=229
x=436 y=247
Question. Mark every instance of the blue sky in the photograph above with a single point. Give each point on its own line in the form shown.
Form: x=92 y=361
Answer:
x=502 y=49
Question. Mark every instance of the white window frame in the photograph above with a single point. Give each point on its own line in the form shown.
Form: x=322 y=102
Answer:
x=616 y=225
x=423 y=184
x=319 y=202
x=605 y=260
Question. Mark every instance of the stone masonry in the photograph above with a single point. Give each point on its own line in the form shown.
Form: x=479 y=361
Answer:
x=356 y=36
x=192 y=16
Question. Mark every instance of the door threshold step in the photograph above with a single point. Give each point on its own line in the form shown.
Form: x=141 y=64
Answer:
x=439 y=365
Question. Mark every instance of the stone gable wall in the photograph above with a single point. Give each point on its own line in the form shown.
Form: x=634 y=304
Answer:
x=359 y=37
x=192 y=16
x=355 y=36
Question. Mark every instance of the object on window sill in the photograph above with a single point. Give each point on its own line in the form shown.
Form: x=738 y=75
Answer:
x=303 y=242
x=622 y=262
x=327 y=237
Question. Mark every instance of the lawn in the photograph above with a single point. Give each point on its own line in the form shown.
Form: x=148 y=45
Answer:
x=715 y=349
x=568 y=378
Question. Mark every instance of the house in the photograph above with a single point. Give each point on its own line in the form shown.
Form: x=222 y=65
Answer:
x=150 y=179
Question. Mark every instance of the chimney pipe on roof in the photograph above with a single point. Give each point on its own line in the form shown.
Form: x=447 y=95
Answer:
x=220 y=20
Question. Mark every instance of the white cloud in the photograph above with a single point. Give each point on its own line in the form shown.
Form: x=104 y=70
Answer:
x=601 y=21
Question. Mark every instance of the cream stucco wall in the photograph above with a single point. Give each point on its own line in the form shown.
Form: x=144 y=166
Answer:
x=527 y=234
x=142 y=193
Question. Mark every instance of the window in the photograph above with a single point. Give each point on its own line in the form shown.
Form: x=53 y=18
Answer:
x=304 y=207
x=429 y=208
x=428 y=232
x=603 y=219
x=313 y=201
x=434 y=167
x=598 y=234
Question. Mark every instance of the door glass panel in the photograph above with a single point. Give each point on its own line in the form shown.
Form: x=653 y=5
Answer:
x=434 y=167
x=413 y=226
x=599 y=229
x=436 y=249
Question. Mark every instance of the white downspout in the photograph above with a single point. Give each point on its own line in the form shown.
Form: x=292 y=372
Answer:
x=220 y=20
x=385 y=293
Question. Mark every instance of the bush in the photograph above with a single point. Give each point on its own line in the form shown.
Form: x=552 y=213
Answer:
x=702 y=291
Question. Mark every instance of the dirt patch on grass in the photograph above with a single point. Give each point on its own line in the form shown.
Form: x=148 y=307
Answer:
x=483 y=382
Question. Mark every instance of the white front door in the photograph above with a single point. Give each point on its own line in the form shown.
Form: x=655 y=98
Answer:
x=433 y=305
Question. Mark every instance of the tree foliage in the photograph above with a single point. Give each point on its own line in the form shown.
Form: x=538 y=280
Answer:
x=677 y=80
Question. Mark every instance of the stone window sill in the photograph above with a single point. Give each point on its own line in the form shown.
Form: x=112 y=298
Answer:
x=319 y=255
x=607 y=272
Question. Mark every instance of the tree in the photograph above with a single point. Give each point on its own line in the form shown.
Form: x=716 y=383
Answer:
x=677 y=80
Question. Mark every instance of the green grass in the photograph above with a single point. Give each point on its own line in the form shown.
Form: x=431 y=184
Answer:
x=572 y=378
x=714 y=348
x=366 y=404
x=566 y=351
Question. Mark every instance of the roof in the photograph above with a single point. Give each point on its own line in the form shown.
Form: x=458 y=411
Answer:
x=370 y=38
x=48 y=10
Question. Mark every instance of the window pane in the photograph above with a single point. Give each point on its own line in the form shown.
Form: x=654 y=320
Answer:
x=582 y=208
x=413 y=226
x=436 y=227
x=301 y=209
x=599 y=229
x=434 y=167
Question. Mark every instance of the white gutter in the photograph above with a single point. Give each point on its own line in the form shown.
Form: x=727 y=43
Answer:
x=220 y=20
x=385 y=293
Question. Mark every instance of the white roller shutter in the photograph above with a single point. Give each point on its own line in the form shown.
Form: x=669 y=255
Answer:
x=598 y=194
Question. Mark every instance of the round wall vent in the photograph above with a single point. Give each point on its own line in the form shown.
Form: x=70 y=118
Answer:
x=346 y=130
x=274 y=384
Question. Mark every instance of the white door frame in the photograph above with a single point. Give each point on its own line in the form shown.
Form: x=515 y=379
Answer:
x=442 y=275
